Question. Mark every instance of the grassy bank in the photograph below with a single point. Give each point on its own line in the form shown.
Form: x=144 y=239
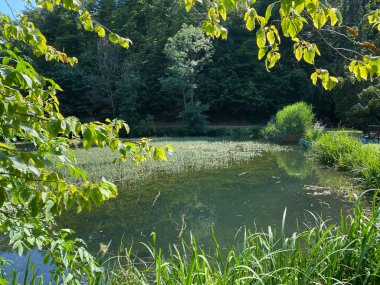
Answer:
x=344 y=254
x=347 y=153
x=191 y=154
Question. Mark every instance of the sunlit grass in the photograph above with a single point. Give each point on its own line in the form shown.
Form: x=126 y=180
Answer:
x=193 y=154
x=348 y=253
x=347 y=153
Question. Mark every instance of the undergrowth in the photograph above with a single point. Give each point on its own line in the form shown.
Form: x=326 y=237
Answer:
x=348 y=154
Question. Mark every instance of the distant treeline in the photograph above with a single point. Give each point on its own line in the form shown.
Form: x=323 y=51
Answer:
x=233 y=86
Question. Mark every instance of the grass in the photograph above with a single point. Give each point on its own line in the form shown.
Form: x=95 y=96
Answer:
x=191 y=154
x=348 y=154
x=349 y=132
x=348 y=253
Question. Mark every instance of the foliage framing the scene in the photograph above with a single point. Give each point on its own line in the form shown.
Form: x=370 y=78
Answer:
x=34 y=185
x=294 y=17
x=39 y=177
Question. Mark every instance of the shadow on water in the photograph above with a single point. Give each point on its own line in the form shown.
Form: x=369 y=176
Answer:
x=227 y=199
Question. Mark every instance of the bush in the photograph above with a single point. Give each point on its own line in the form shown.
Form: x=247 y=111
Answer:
x=291 y=123
x=195 y=119
x=146 y=126
x=348 y=154
x=366 y=111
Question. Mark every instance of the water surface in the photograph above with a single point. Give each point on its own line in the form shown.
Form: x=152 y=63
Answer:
x=243 y=195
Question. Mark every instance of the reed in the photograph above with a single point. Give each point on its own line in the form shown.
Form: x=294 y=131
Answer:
x=191 y=154
x=348 y=253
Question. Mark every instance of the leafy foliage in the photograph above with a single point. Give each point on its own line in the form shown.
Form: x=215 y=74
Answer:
x=291 y=123
x=195 y=118
x=37 y=186
x=315 y=132
x=366 y=111
x=294 y=17
x=188 y=51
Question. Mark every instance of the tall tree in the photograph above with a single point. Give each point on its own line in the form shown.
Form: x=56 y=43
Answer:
x=187 y=52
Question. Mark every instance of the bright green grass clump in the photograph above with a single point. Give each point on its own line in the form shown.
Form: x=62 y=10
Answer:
x=349 y=154
x=324 y=254
x=291 y=123
x=190 y=155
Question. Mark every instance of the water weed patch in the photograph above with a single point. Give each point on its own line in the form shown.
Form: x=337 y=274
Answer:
x=190 y=155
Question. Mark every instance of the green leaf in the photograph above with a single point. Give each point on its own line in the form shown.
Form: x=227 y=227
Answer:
x=126 y=127
x=54 y=127
x=315 y=47
x=189 y=4
x=309 y=55
x=101 y=31
x=270 y=37
x=363 y=72
x=88 y=136
x=159 y=154
x=3 y=196
x=299 y=53
x=268 y=12
x=333 y=16
x=250 y=20
x=114 y=38
x=286 y=7
x=222 y=11
x=314 y=78
x=299 y=5
x=125 y=43
x=311 y=6
x=319 y=20
x=262 y=52
x=285 y=22
x=260 y=38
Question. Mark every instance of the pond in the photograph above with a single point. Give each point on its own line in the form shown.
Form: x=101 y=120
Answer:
x=228 y=199
x=245 y=194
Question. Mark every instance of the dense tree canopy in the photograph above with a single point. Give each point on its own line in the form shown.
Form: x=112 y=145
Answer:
x=234 y=84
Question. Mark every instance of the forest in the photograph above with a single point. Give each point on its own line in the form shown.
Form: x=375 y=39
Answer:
x=229 y=84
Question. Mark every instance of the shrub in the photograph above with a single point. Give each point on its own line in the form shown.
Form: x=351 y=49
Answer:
x=348 y=154
x=195 y=118
x=291 y=123
x=366 y=110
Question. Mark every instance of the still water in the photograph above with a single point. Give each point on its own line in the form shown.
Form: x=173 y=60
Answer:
x=243 y=195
